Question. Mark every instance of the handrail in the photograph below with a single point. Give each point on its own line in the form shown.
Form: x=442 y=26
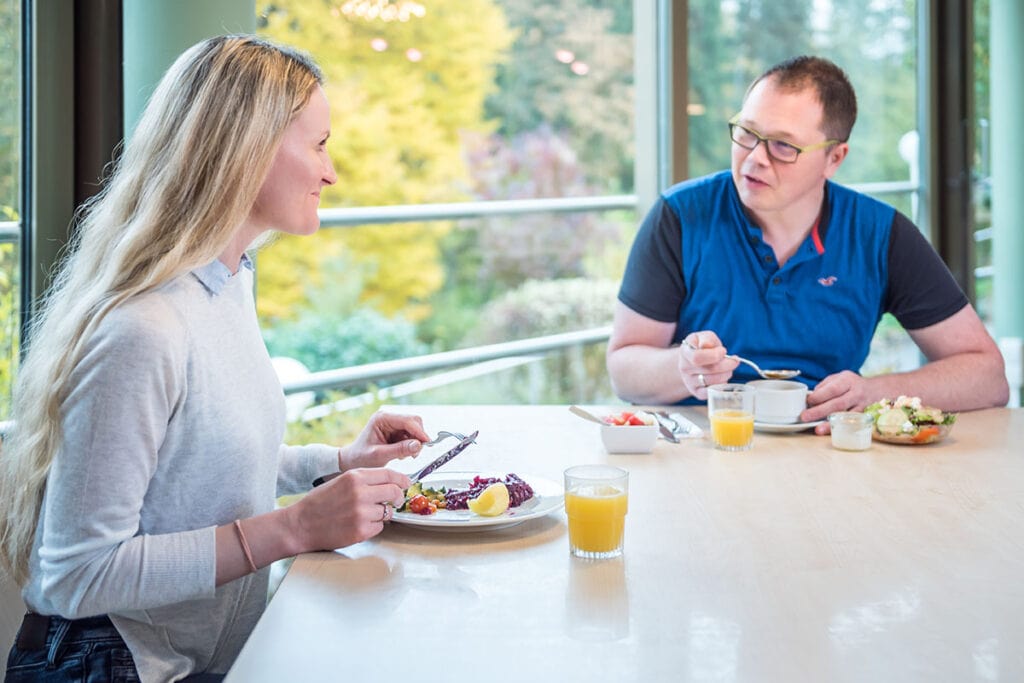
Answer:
x=402 y=367
x=888 y=187
x=406 y=213
x=10 y=231
x=346 y=217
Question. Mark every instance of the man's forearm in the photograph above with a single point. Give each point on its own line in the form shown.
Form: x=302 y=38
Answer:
x=646 y=375
x=964 y=381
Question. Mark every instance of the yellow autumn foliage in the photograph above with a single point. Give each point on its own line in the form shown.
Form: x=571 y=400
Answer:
x=401 y=95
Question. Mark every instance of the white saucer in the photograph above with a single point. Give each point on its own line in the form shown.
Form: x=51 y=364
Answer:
x=773 y=428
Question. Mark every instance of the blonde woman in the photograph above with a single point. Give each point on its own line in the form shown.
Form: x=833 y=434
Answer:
x=138 y=488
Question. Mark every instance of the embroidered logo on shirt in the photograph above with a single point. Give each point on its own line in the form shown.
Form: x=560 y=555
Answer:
x=827 y=281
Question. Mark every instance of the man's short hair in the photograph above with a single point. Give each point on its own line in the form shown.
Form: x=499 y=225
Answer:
x=838 y=100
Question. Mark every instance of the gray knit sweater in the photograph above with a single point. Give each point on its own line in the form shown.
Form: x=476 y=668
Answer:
x=173 y=426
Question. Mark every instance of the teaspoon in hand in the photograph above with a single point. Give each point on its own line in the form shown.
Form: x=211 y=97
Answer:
x=767 y=374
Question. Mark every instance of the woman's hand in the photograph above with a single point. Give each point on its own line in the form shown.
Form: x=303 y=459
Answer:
x=350 y=508
x=385 y=437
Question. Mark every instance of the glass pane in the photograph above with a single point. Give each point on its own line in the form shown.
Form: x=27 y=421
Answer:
x=10 y=187
x=457 y=101
x=982 y=195
x=731 y=43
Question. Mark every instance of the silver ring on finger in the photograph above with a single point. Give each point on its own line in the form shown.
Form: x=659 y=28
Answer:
x=700 y=377
x=386 y=512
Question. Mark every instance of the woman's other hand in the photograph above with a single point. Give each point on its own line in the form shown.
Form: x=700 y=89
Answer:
x=385 y=437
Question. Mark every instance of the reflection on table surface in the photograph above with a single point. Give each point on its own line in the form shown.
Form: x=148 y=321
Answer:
x=789 y=562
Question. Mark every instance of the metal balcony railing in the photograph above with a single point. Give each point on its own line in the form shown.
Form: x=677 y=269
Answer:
x=408 y=367
x=10 y=231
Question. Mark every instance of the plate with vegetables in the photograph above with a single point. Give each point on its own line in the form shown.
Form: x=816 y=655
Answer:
x=475 y=501
x=906 y=421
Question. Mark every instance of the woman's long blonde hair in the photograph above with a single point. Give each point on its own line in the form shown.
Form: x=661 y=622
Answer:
x=183 y=186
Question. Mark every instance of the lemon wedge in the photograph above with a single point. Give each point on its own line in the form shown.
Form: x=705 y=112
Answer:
x=492 y=502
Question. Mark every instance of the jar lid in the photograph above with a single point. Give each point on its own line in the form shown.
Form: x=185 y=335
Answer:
x=851 y=419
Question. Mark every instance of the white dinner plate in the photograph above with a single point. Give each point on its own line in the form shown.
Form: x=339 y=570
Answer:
x=547 y=498
x=773 y=428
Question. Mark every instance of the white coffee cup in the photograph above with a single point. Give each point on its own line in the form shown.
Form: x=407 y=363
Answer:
x=778 y=401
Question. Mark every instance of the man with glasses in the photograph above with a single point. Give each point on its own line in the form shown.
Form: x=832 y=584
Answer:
x=775 y=262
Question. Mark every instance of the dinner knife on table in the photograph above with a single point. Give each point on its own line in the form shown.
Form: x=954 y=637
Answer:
x=459 y=447
x=444 y=458
x=665 y=430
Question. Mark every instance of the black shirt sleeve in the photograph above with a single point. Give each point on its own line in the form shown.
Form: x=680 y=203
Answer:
x=653 y=283
x=921 y=291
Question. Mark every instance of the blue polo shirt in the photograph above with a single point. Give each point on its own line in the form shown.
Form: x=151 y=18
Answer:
x=699 y=261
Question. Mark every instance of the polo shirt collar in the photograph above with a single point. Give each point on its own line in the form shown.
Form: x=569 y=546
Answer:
x=215 y=275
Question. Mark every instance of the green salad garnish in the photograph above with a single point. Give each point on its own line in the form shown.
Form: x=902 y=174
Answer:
x=905 y=416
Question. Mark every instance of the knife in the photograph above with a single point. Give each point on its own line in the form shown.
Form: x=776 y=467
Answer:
x=665 y=431
x=426 y=470
x=459 y=447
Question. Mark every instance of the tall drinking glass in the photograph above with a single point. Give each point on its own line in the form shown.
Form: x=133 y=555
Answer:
x=731 y=413
x=596 y=498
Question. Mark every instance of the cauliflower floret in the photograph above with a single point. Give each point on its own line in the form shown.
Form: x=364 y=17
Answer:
x=912 y=402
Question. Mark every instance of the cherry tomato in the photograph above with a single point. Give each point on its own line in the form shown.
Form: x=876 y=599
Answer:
x=420 y=505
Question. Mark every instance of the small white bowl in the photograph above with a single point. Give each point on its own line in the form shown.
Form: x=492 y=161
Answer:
x=629 y=438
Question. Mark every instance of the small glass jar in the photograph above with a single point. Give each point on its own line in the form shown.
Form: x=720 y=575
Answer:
x=851 y=431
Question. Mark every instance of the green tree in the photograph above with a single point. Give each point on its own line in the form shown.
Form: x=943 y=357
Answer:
x=571 y=69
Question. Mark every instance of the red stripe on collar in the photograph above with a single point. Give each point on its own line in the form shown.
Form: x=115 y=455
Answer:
x=818 y=245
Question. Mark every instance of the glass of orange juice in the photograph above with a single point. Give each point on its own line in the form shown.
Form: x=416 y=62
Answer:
x=731 y=413
x=596 y=498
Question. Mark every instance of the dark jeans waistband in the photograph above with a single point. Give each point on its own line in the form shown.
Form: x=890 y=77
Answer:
x=41 y=634
x=35 y=627
x=53 y=648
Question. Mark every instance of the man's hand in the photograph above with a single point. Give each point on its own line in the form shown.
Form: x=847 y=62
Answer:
x=845 y=390
x=702 y=362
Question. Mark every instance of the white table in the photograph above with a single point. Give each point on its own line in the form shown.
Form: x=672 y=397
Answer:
x=791 y=562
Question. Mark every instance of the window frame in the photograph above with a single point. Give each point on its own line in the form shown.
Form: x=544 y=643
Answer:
x=49 y=128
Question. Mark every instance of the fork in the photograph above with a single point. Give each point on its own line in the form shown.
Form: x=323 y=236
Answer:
x=442 y=435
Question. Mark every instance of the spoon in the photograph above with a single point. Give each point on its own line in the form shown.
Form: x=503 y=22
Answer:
x=767 y=374
x=586 y=415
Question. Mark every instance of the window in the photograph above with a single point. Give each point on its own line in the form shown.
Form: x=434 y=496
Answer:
x=444 y=109
x=443 y=112
x=982 y=189
x=10 y=188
